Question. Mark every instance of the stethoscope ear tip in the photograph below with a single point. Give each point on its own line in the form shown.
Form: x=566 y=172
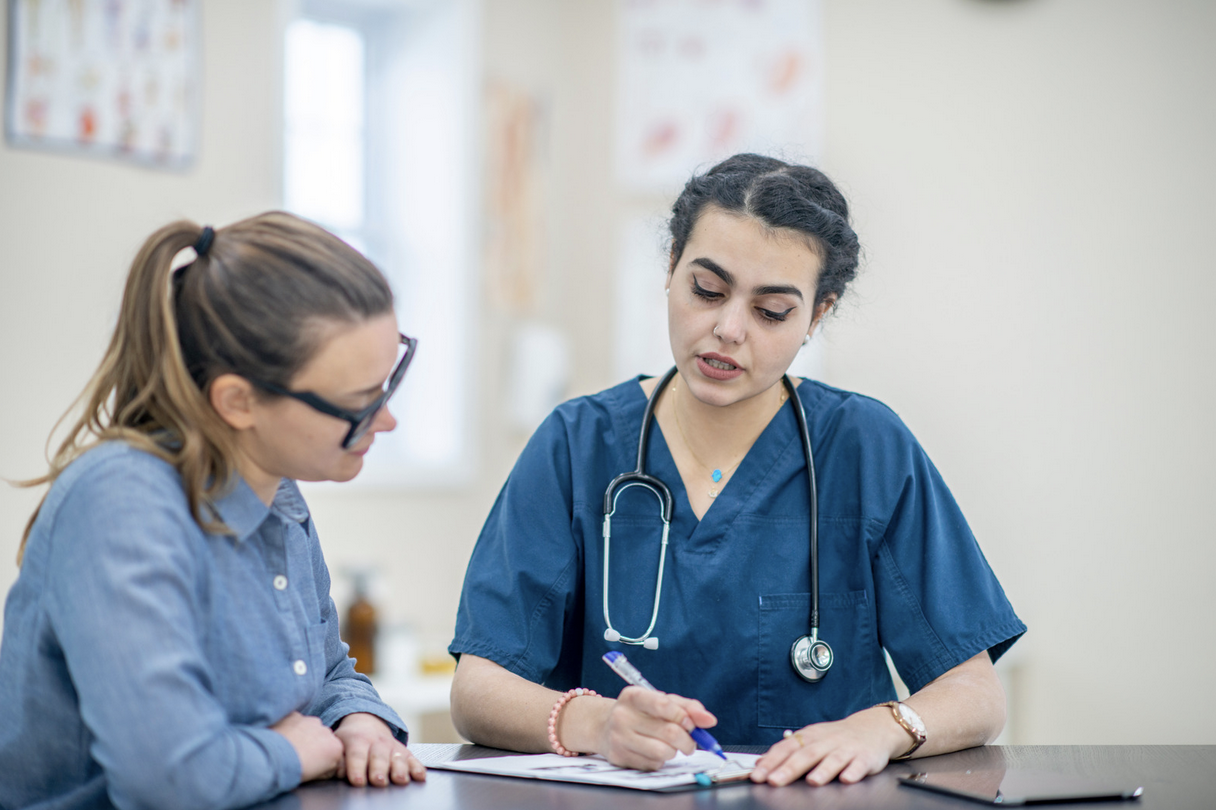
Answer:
x=614 y=636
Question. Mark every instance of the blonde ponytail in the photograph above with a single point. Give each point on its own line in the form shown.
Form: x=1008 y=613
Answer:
x=244 y=306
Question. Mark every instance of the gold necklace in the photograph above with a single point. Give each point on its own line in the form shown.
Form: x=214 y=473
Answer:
x=717 y=473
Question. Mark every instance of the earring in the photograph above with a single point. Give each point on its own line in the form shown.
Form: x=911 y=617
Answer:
x=806 y=340
x=667 y=291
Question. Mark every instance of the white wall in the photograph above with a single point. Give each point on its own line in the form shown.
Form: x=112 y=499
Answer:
x=1033 y=183
x=1031 y=179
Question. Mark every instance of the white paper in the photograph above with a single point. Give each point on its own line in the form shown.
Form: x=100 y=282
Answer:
x=679 y=771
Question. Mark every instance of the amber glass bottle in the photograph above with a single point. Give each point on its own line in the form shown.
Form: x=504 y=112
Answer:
x=359 y=631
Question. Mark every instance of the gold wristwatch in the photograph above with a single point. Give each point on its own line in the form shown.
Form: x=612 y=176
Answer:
x=911 y=722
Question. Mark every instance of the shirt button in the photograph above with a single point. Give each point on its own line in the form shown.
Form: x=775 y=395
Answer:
x=300 y=667
x=280 y=583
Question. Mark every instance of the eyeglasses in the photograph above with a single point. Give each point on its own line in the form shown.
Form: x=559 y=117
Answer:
x=360 y=421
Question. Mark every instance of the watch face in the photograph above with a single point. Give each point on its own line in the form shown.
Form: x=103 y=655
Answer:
x=911 y=717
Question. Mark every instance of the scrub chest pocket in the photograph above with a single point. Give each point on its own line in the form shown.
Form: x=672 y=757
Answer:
x=847 y=623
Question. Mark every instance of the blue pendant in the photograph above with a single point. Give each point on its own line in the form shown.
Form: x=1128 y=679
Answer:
x=717 y=476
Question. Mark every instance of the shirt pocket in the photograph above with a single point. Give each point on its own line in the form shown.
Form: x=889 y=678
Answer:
x=845 y=623
x=315 y=637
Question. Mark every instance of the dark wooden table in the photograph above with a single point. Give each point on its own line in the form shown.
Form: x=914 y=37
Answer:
x=1177 y=777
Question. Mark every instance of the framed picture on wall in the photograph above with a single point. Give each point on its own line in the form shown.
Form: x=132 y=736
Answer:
x=114 y=79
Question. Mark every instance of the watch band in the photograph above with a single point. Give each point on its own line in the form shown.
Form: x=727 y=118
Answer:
x=918 y=736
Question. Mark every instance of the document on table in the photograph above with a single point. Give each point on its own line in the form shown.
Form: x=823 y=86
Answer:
x=701 y=768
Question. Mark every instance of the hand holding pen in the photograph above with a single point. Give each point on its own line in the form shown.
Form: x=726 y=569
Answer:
x=647 y=727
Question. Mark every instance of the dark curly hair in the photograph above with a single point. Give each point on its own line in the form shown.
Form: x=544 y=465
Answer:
x=781 y=195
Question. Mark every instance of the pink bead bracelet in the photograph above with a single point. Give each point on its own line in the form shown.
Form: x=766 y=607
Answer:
x=558 y=748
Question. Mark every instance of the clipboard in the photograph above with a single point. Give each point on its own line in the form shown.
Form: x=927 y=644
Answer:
x=698 y=771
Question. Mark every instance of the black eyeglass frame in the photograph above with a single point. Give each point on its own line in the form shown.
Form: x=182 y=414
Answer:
x=360 y=421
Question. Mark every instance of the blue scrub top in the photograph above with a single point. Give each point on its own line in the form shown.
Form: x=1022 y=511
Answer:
x=899 y=567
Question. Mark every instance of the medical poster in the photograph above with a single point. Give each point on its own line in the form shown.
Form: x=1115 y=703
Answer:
x=105 y=78
x=517 y=125
x=699 y=80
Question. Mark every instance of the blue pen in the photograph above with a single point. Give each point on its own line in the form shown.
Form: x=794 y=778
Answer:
x=621 y=666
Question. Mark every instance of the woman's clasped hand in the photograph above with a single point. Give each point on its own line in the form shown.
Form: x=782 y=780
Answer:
x=362 y=750
x=372 y=755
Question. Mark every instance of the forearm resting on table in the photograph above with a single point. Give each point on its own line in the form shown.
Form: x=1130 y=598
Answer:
x=493 y=706
x=962 y=708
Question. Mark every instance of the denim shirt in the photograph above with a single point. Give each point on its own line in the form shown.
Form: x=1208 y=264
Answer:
x=144 y=659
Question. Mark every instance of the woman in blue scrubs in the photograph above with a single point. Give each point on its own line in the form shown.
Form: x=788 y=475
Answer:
x=761 y=251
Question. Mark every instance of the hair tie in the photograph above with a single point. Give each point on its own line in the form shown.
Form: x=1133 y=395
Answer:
x=204 y=241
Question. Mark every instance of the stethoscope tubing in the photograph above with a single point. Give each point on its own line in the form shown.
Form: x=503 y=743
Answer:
x=805 y=433
x=638 y=474
x=639 y=477
x=658 y=585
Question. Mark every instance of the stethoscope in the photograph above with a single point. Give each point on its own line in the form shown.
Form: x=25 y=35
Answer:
x=810 y=656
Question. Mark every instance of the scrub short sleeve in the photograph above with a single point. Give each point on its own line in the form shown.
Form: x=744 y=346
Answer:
x=939 y=603
x=522 y=582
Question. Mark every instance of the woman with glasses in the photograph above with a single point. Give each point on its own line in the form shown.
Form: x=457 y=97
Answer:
x=170 y=640
x=694 y=555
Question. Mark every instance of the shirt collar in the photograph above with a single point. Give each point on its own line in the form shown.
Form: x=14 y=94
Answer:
x=243 y=512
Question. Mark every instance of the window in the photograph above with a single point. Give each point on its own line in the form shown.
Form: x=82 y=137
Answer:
x=325 y=126
x=379 y=110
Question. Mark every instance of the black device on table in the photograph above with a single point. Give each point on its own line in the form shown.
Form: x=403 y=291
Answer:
x=1020 y=787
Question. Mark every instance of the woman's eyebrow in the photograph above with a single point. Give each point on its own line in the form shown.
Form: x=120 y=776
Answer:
x=715 y=268
x=778 y=289
x=724 y=274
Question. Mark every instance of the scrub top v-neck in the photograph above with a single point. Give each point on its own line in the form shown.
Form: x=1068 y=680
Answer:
x=899 y=567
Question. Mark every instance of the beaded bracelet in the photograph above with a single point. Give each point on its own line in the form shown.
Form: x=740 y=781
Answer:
x=558 y=748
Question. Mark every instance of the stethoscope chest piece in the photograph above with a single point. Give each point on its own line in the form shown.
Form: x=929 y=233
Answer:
x=811 y=657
